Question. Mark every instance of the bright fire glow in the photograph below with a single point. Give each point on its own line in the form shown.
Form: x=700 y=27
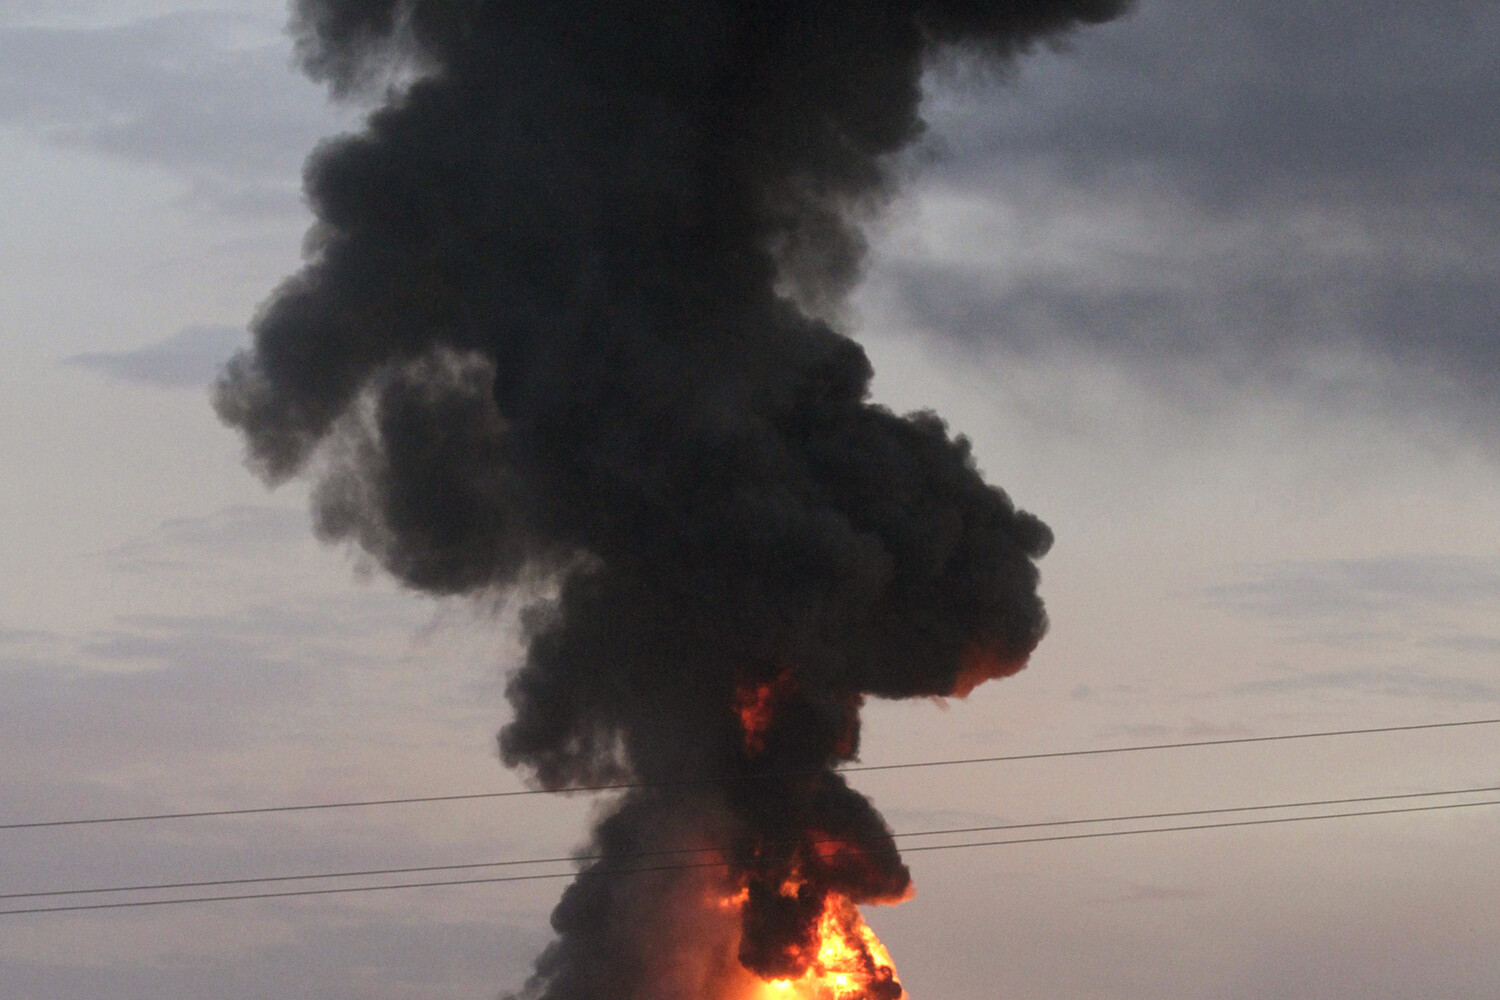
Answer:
x=982 y=663
x=852 y=964
x=754 y=707
x=757 y=705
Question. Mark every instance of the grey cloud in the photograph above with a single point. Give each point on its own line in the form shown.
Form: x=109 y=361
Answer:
x=198 y=692
x=1467 y=643
x=154 y=685
x=908 y=821
x=1231 y=101
x=52 y=864
x=11 y=664
x=190 y=358
x=1158 y=733
x=373 y=959
x=1421 y=605
x=1311 y=189
x=242 y=529
x=1225 y=316
x=1361 y=588
x=209 y=95
x=23 y=636
x=164 y=685
x=1398 y=937
x=1384 y=682
x=1161 y=893
x=185 y=694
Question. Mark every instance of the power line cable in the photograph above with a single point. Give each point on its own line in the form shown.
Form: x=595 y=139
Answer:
x=617 y=786
x=637 y=855
x=1201 y=826
x=489 y=880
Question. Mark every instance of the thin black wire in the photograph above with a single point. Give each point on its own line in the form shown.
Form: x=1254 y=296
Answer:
x=1200 y=826
x=617 y=786
x=726 y=862
x=637 y=855
x=1051 y=838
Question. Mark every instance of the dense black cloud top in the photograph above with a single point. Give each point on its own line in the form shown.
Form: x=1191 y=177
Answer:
x=558 y=321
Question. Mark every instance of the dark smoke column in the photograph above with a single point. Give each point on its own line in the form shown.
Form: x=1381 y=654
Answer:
x=547 y=332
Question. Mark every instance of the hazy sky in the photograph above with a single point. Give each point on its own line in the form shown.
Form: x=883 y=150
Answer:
x=1215 y=291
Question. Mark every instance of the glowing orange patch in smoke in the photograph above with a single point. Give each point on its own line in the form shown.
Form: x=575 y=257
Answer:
x=980 y=663
x=756 y=706
x=853 y=861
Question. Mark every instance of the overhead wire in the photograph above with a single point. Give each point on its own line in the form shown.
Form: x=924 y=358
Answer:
x=623 y=785
x=727 y=862
x=579 y=858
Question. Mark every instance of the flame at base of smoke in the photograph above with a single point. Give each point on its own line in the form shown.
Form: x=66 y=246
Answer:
x=851 y=962
x=984 y=662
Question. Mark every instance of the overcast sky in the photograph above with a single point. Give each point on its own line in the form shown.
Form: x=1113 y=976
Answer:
x=1215 y=291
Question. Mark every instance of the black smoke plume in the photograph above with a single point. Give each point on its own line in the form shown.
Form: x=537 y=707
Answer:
x=557 y=324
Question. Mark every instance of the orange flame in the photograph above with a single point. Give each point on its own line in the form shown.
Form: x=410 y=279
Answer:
x=851 y=963
x=983 y=662
x=757 y=705
x=754 y=707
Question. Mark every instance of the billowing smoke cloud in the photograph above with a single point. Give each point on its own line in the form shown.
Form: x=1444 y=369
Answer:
x=555 y=326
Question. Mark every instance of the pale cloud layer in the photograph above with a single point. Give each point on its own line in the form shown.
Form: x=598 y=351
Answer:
x=190 y=358
x=207 y=94
x=1276 y=192
x=1347 y=589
